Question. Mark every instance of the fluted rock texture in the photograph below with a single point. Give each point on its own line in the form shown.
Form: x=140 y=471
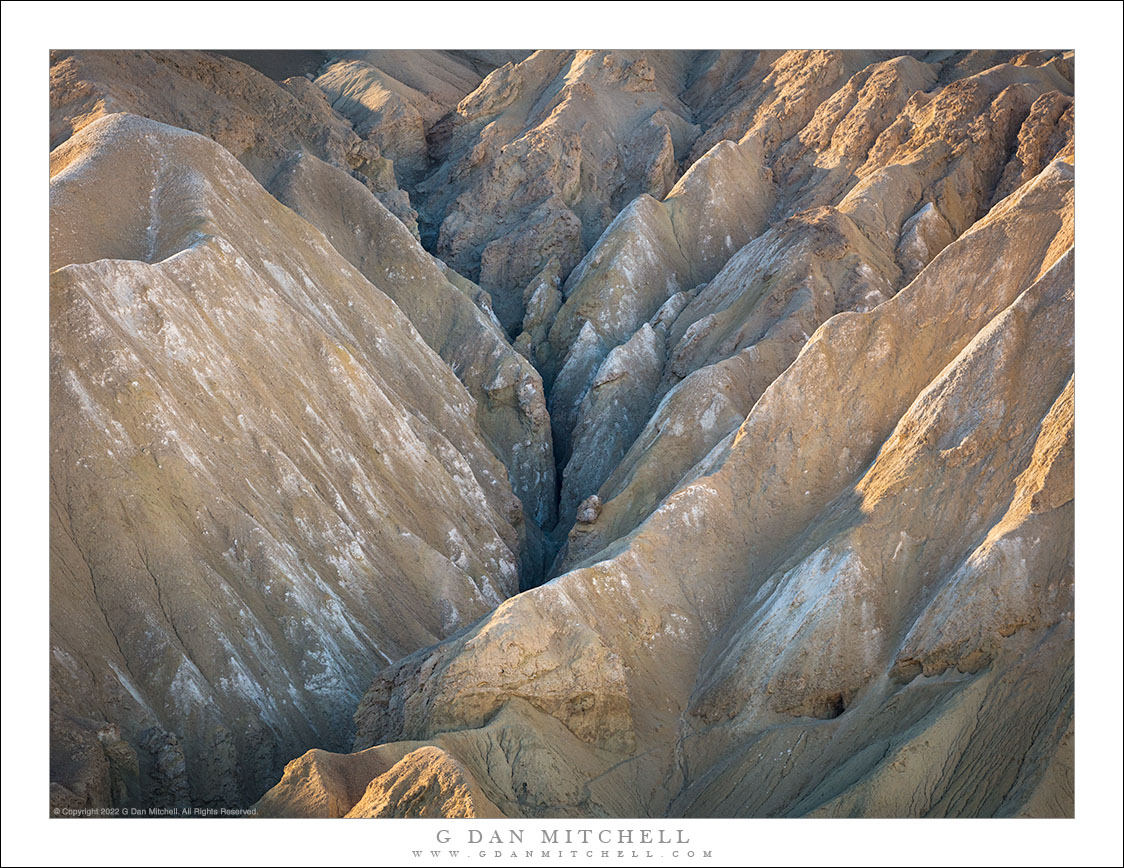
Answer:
x=567 y=433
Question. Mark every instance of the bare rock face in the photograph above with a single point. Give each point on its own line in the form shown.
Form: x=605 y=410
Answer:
x=924 y=235
x=253 y=452
x=312 y=160
x=425 y=783
x=589 y=509
x=510 y=407
x=538 y=159
x=521 y=763
x=612 y=414
x=259 y=121
x=394 y=98
x=764 y=359
x=379 y=782
x=801 y=593
x=320 y=784
x=884 y=176
x=98 y=767
x=541 y=300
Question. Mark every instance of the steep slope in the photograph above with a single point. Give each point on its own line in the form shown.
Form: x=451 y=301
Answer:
x=537 y=160
x=510 y=407
x=309 y=156
x=762 y=359
x=763 y=624
x=261 y=122
x=883 y=176
x=394 y=98
x=264 y=484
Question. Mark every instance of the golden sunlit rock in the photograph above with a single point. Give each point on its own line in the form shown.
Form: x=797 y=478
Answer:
x=563 y=433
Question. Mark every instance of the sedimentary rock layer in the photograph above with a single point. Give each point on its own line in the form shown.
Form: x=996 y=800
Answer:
x=566 y=433
x=264 y=484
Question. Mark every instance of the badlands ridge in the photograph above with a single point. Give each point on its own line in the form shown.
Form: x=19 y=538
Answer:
x=563 y=434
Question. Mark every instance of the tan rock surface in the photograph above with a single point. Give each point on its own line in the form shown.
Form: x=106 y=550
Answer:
x=264 y=486
x=882 y=178
x=789 y=407
x=510 y=407
x=325 y=785
x=612 y=414
x=661 y=614
x=425 y=783
x=541 y=156
x=393 y=97
x=261 y=122
x=314 y=162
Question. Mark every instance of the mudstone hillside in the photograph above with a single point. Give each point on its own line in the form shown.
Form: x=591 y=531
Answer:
x=563 y=433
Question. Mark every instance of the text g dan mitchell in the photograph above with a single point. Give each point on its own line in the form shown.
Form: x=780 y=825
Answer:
x=564 y=836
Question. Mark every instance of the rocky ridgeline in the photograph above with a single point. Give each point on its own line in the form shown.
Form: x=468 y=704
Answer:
x=766 y=356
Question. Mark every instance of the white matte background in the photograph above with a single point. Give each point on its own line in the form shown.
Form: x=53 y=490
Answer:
x=30 y=29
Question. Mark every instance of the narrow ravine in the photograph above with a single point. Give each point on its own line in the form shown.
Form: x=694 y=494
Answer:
x=588 y=432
